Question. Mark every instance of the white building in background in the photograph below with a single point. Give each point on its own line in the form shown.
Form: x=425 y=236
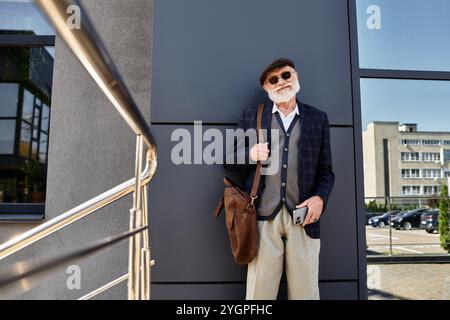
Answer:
x=399 y=160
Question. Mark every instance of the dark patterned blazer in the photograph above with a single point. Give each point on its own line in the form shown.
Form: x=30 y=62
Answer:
x=315 y=168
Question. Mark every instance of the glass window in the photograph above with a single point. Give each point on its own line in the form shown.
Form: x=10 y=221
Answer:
x=423 y=102
x=431 y=173
x=31 y=70
x=9 y=93
x=7 y=134
x=404 y=34
x=410 y=190
x=34 y=150
x=431 y=142
x=25 y=140
x=23 y=17
x=45 y=121
x=43 y=148
x=431 y=190
x=410 y=156
x=431 y=156
x=37 y=117
x=410 y=142
x=446 y=155
x=28 y=105
x=26 y=74
x=410 y=173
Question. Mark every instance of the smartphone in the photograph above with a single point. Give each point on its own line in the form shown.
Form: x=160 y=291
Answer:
x=299 y=215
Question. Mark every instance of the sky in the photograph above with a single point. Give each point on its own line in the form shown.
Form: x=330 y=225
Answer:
x=414 y=35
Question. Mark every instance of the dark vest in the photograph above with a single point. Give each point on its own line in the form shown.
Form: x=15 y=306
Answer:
x=282 y=187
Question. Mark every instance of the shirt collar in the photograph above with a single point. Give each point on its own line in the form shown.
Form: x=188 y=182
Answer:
x=275 y=109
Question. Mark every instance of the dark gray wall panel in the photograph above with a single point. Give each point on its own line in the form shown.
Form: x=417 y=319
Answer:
x=346 y=290
x=211 y=56
x=236 y=291
x=339 y=252
x=189 y=245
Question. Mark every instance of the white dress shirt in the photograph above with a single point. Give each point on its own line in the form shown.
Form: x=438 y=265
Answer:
x=287 y=120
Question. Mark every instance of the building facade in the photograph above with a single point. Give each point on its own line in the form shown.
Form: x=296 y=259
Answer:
x=400 y=160
x=166 y=52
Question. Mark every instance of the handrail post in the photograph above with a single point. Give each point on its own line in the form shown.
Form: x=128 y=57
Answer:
x=135 y=222
x=145 y=251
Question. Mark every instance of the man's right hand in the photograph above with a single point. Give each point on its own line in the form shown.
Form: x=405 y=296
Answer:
x=259 y=152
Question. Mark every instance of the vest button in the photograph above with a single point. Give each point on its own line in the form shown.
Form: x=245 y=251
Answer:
x=286 y=149
x=284 y=166
x=283 y=184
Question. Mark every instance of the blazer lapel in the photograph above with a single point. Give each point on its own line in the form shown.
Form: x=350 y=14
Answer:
x=303 y=132
x=267 y=121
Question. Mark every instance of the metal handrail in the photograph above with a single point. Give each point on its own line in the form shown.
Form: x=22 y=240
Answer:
x=108 y=286
x=63 y=220
x=105 y=287
x=91 y=52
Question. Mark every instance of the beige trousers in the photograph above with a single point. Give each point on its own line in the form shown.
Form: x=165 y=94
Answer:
x=279 y=240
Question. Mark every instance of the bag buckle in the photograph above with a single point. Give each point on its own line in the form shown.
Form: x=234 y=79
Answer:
x=252 y=204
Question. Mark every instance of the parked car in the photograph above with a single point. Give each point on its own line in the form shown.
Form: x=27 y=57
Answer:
x=430 y=221
x=408 y=220
x=369 y=215
x=382 y=220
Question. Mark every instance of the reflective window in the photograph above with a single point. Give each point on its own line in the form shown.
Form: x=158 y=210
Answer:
x=23 y=17
x=43 y=148
x=10 y=98
x=45 y=120
x=25 y=140
x=431 y=142
x=405 y=135
x=446 y=155
x=422 y=102
x=34 y=150
x=37 y=117
x=25 y=101
x=404 y=34
x=7 y=133
x=405 y=129
x=28 y=106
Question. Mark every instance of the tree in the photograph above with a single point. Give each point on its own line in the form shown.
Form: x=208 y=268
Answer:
x=443 y=220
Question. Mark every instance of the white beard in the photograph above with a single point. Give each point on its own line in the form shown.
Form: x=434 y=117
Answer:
x=286 y=95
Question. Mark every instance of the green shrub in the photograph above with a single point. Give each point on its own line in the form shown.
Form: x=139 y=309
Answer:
x=443 y=220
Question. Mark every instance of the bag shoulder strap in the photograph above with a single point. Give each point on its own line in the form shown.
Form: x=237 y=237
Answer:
x=257 y=177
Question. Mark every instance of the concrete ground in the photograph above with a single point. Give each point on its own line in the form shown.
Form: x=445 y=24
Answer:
x=409 y=281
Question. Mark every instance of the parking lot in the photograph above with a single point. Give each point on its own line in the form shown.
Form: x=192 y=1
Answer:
x=413 y=241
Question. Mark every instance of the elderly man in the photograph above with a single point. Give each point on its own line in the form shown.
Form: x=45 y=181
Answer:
x=304 y=178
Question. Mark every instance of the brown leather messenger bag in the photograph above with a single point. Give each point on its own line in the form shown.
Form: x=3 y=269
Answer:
x=240 y=211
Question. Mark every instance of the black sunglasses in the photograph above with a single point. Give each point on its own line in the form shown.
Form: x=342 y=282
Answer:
x=274 y=80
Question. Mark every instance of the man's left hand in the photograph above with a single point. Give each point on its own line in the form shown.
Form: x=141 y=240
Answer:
x=315 y=207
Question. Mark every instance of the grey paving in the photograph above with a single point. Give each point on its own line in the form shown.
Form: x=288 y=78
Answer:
x=409 y=282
